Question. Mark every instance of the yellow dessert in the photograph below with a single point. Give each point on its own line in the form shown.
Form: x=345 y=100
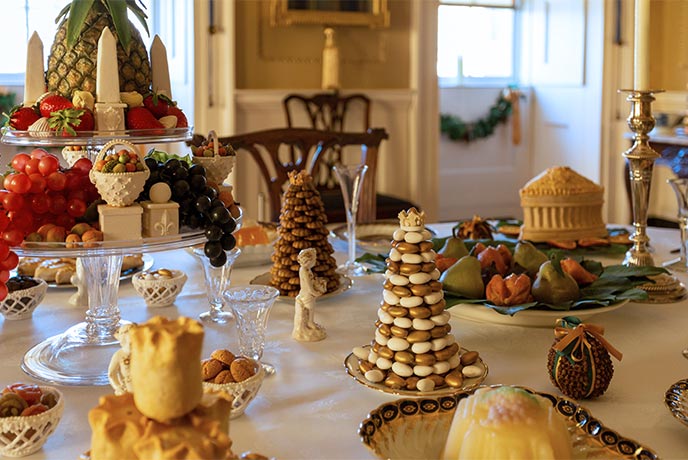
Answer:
x=559 y=204
x=506 y=423
x=165 y=367
x=121 y=431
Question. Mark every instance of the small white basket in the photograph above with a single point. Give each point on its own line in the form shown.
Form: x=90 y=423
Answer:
x=24 y=435
x=161 y=292
x=119 y=189
x=242 y=392
x=217 y=168
x=72 y=156
x=21 y=304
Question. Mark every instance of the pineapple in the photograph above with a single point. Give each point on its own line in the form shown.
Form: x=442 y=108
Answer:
x=73 y=56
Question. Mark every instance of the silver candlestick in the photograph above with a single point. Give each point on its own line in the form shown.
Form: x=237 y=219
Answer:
x=641 y=158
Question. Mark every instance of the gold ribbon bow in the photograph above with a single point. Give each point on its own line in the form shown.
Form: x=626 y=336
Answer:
x=580 y=341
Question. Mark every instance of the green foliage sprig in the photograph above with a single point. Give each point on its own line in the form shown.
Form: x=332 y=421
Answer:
x=459 y=130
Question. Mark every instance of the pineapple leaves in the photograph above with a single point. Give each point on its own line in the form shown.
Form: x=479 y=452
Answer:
x=118 y=12
x=78 y=10
x=139 y=12
x=63 y=13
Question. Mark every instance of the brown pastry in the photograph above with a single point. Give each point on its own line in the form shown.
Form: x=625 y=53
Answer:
x=224 y=356
x=241 y=369
x=225 y=376
x=27 y=265
x=210 y=368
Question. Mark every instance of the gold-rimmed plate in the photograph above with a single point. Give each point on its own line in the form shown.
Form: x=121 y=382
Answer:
x=676 y=399
x=344 y=284
x=374 y=237
x=527 y=318
x=418 y=428
x=351 y=365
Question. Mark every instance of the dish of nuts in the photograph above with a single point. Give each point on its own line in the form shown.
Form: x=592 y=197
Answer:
x=224 y=367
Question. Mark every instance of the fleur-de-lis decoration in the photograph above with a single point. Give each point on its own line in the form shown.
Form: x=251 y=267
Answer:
x=164 y=226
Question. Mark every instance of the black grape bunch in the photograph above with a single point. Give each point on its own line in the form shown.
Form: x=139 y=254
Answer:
x=199 y=205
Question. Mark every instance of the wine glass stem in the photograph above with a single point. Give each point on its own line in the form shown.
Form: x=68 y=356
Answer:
x=102 y=280
x=351 y=231
x=683 y=226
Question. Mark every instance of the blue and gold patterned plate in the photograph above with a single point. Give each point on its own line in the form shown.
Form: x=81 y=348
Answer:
x=676 y=399
x=417 y=429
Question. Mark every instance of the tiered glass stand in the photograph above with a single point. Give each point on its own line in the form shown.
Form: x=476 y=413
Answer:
x=80 y=355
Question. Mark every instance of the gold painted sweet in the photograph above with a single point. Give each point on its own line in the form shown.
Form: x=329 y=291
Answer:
x=560 y=204
x=506 y=422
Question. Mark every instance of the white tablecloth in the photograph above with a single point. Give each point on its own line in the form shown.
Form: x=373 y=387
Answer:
x=311 y=408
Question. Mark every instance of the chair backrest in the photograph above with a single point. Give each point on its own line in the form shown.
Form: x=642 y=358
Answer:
x=327 y=111
x=280 y=151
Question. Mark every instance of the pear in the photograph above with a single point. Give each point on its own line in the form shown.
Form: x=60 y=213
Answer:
x=529 y=257
x=553 y=285
x=464 y=278
x=454 y=247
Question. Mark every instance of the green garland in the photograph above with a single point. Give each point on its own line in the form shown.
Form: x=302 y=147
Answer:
x=459 y=130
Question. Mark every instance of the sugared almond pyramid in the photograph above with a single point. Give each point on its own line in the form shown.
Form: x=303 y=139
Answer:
x=413 y=348
x=302 y=225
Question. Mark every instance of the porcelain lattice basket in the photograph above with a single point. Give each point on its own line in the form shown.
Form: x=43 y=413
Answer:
x=217 y=168
x=24 y=435
x=160 y=292
x=119 y=189
x=242 y=392
x=21 y=304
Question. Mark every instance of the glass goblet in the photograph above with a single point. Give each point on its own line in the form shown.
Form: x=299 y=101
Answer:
x=217 y=279
x=680 y=188
x=350 y=180
x=251 y=306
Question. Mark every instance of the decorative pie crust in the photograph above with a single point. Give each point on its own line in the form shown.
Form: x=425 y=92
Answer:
x=560 y=205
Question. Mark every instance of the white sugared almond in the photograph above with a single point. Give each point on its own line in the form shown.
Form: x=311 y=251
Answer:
x=413 y=237
x=374 y=375
x=397 y=344
x=425 y=385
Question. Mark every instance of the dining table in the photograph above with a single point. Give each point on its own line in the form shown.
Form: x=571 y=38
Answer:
x=310 y=408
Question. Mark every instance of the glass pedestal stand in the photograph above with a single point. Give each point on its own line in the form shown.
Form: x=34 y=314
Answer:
x=80 y=355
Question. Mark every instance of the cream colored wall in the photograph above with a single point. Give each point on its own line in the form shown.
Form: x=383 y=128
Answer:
x=290 y=57
x=669 y=59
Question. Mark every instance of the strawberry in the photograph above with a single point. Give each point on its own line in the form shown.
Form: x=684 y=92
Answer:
x=68 y=121
x=182 y=122
x=142 y=118
x=21 y=118
x=157 y=104
x=53 y=103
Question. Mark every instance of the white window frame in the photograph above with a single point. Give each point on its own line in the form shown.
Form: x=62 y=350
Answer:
x=489 y=82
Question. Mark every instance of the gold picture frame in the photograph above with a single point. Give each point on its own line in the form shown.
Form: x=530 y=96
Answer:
x=372 y=13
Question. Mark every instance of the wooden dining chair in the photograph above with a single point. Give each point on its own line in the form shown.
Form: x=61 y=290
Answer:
x=279 y=151
x=334 y=111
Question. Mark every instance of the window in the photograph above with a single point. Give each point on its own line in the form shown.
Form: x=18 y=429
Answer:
x=21 y=19
x=476 y=42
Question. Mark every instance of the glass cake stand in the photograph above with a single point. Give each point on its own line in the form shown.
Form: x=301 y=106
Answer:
x=80 y=355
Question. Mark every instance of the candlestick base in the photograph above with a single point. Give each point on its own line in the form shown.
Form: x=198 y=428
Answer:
x=664 y=289
x=110 y=117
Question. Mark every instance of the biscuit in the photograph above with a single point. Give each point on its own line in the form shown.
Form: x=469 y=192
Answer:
x=223 y=356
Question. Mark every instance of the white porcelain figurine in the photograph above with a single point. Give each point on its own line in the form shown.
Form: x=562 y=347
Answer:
x=118 y=371
x=78 y=279
x=312 y=287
